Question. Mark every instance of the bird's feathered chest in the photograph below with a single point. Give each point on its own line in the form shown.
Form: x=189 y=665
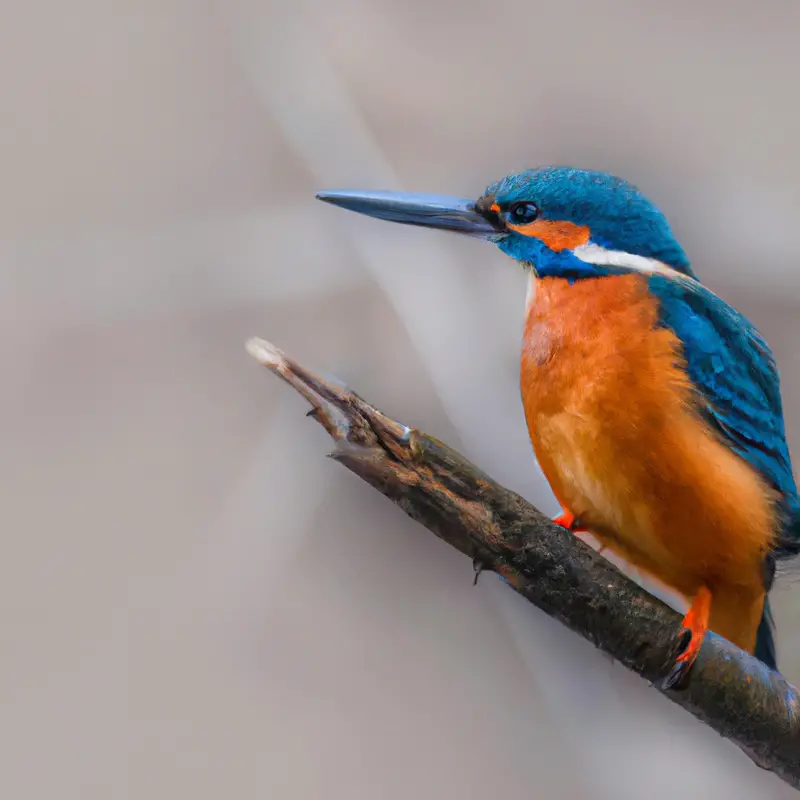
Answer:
x=629 y=411
x=601 y=382
x=593 y=349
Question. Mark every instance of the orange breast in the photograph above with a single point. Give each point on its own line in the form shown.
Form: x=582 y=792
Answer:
x=610 y=414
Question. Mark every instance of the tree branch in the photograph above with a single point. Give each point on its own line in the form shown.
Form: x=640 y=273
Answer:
x=728 y=689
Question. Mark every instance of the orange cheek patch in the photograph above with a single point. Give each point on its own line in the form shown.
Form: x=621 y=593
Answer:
x=558 y=235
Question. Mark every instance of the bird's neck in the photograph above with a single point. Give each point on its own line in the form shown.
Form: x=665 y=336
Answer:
x=574 y=308
x=550 y=263
x=590 y=260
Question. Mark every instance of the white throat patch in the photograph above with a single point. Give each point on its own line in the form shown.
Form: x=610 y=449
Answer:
x=530 y=297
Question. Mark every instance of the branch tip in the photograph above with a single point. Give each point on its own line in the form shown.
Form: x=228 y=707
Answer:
x=265 y=353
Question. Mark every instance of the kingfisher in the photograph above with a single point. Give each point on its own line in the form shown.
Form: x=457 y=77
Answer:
x=653 y=407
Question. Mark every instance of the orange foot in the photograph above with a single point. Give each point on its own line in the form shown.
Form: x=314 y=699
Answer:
x=695 y=625
x=566 y=519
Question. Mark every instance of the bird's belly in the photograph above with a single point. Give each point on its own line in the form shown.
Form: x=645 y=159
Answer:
x=609 y=416
x=597 y=476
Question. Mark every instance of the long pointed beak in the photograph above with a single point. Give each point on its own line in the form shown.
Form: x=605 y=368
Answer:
x=425 y=210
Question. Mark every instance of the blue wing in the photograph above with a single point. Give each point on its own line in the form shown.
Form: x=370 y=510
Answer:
x=737 y=380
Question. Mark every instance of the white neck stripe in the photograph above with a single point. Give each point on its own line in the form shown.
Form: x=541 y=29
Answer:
x=596 y=254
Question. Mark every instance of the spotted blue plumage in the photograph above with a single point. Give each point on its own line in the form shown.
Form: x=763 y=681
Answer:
x=618 y=215
x=738 y=386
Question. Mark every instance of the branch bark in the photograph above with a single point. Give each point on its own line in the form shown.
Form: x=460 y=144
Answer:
x=734 y=693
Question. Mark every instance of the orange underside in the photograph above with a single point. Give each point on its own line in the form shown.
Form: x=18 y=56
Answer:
x=608 y=407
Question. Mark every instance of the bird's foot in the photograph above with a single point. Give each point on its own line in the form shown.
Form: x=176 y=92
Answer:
x=566 y=519
x=692 y=633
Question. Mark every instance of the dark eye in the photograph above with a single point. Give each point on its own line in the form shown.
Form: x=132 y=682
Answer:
x=522 y=213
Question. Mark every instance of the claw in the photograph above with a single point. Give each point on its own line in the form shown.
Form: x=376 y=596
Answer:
x=566 y=519
x=695 y=626
x=479 y=567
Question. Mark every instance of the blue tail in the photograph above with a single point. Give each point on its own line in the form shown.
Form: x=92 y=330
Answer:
x=765 y=638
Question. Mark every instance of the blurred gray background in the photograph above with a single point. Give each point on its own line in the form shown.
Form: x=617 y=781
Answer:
x=195 y=602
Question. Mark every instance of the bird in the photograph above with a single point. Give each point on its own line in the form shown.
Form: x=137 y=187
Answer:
x=653 y=406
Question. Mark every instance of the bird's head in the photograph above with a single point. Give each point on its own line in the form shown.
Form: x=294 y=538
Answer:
x=560 y=221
